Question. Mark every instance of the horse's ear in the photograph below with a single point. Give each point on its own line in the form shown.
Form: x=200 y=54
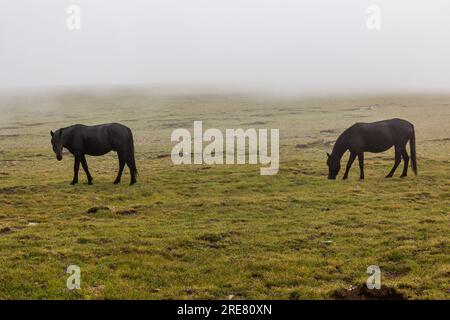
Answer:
x=51 y=133
x=328 y=155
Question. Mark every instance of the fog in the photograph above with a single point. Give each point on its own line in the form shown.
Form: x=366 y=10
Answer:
x=317 y=46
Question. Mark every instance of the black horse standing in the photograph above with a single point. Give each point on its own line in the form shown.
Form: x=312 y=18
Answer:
x=96 y=141
x=374 y=137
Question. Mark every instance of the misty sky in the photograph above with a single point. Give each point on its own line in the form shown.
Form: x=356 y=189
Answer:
x=283 y=45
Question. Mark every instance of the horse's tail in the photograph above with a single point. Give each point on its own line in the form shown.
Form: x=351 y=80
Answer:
x=130 y=154
x=412 y=146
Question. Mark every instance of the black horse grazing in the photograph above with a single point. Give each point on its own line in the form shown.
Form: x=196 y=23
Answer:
x=374 y=137
x=96 y=141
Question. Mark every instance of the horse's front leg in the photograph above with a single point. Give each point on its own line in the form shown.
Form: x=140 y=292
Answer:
x=86 y=169
x=349 y=164
x=361 y=165
x=76 y=167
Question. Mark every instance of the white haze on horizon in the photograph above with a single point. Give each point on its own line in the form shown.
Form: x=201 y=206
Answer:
x=321 y=46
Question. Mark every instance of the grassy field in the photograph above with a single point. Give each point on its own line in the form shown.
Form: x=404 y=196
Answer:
x=220 y=232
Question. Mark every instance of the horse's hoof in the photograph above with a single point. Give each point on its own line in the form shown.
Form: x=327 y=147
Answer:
x=132 y=182
x=388 y=176
x=73 y=183
x=344 y=178
x=90 y=183
x=403 y=176
x=116 y=182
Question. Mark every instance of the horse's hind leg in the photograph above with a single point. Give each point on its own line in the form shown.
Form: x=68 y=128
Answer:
x=132 y=166
x=398 y=155
x=132 y=171
x=86 y=169
x=121 y=166
x=349 y=164
x=406 y=162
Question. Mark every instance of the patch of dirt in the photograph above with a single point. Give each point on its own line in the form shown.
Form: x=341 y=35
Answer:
x=214 y=240
x=5 y=230
x=361 y=292
x=127 y=212
x=163 y=155
x=36 y=124
x=198 y=205
x=328 y=131
x=256 y=123
x=370 y=107
x=363 y=108
x=11 y=190
x=211 y=237
x=97 y=209
x=316 y=143
x=191 y=291
x=352 y=109
x=175 y=125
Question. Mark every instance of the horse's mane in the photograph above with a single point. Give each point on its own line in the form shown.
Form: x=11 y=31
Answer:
x=342 y=141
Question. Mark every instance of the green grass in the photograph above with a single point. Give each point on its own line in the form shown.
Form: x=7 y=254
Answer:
x=209 y=232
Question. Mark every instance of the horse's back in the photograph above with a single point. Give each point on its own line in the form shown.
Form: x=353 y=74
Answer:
x=107 y=129
x=392 y=125
x=381 y=135
x=102 y=138
x=101 y=127
x=117 y=126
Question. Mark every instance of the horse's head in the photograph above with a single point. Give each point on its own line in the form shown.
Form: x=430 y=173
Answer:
x=334 y=165
x=57 y=143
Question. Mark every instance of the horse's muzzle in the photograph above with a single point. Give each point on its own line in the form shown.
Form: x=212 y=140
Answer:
x=59 y=157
